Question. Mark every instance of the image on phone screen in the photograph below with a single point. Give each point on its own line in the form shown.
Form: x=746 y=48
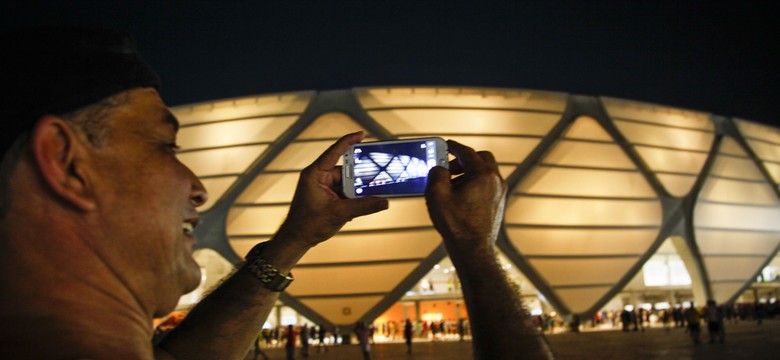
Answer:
x=394 y=168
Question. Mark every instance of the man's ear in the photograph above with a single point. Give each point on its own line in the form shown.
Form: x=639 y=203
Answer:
x=60 y=157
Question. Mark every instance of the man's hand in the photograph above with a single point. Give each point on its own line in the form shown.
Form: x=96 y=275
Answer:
x=468 y=209
x=318 y=211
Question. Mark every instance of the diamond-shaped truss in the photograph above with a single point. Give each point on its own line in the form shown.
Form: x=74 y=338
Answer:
x=597 y=185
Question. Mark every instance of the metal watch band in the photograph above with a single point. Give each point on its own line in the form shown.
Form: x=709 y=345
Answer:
x=268 y=275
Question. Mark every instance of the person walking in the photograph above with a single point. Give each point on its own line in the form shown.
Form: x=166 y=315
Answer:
x=257 y=350
x=408 y=336
x=363 y=333
x=305 y=341
x=693 y=319
x=321 y=338
x=289 y=345
x=714 y=318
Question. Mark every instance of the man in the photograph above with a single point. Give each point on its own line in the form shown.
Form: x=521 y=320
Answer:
x=289 y=343
x=363 y=335
x=408 y=335
x=714 y=317
x=693 y=319
x=96 y=218
x=321 y=338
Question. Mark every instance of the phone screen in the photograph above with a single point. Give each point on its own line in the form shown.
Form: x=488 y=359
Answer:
x=394 y=168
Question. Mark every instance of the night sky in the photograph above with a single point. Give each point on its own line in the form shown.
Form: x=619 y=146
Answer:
x=716 y=58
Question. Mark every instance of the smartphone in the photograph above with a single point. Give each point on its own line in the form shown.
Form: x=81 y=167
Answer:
x=395 y=168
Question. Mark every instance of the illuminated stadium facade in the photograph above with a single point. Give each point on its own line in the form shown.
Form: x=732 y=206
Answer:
x=597 y=187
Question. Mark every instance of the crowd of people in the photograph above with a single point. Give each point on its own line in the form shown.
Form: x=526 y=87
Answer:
x=637 y=318
x=432 y=330
x=694 y=321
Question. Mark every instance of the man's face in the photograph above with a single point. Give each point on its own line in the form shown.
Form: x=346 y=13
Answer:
x=146 y=202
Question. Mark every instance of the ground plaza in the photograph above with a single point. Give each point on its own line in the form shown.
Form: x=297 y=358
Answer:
x=744 y=340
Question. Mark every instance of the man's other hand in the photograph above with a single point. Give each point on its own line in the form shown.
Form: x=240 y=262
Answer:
x=467 y=210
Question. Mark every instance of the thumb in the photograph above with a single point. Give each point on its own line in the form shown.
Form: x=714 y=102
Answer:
x=439 y=183
x=364 y=206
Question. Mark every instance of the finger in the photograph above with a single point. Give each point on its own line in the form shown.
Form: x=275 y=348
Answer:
x=363 y=206
x=438 y=183
x=331 y=156
x=488 y=158
x=335 y=183
x=335 y=174
x=466 y=156
x=455 y=167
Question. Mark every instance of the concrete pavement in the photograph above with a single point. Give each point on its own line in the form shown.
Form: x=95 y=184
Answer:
x=745 y=340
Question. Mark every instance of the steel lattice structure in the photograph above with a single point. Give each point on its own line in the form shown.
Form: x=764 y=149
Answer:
x=597 y=185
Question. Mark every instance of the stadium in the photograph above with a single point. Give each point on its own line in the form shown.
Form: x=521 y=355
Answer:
x=611 y=202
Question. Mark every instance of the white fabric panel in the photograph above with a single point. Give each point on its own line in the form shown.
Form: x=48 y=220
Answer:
x=342 y=310
x=736 y=217
x=572 y=153
x=581 y=299
x=371 y=98
x=234 y=132
x=736 y=242
x=506 y=170
x=634 y=110
x=332 y=125
x=215 y=187
x=677 y=185
x=271 y=188
x=407 y=212
x=732 y=267
x=355 y=279
x=582 y=271
x=730 y=147
x=465 y=121
x=724 y=291
x=221 y=161
x=504 y=149
x=586 y=128
x=373 y=247
x=299 y=155
x=774 y=171
x=585 y=182
x=554 y=211
x=667 y=247
x=646 y=134
x=255 y=220
x=736 y=167
x=685 y=162
x=541 y=241
x=764 y=151
x=755 y=130
x=254 y=106
x=738 y=192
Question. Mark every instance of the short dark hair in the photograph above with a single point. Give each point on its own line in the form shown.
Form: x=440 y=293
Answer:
x=70 y=72
x=58 y=70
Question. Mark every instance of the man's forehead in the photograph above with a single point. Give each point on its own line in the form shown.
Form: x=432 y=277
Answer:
x=151 y=105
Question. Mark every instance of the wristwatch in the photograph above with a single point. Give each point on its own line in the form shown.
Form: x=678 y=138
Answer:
x=268 y=275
